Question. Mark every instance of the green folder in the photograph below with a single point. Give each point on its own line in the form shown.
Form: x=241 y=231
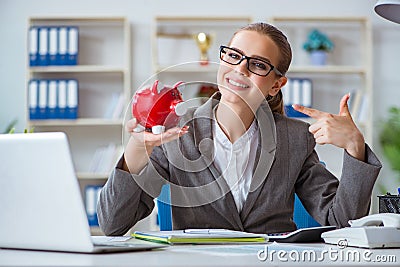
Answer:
x=200 y=236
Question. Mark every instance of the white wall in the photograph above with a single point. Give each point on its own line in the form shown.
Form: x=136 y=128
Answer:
x=13 y=32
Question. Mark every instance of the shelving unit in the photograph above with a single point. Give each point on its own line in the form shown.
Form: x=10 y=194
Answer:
x=176 y=56
x=349 y=69
x=104 y=69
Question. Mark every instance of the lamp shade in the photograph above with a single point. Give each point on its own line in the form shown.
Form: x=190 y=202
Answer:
x=388 y=9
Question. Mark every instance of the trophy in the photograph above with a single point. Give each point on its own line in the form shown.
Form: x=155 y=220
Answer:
x=203 y=41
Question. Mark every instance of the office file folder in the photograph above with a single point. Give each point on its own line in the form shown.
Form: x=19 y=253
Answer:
x=92 y=194
x=62 y=99
x=33 y=99
x=72 y=53
x=52 y=100
x=42 y=99
x=33 y=46
x=43 y=46
x=72 y=99
x=297 y=91
x=53 y=46
x=62 y=45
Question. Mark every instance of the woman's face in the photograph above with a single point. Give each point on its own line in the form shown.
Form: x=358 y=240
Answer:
x=237 y=84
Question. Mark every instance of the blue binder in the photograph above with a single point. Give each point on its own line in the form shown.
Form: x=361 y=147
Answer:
x=62 y=99
x=297 y=91
x=52 y=100
x=92 y=193
x=72 y=52
x=62 y=45
x=42 y=103
x=53 y=46
x=43 y=47
x=72 y=99
x=33 y=46
x=33 y=89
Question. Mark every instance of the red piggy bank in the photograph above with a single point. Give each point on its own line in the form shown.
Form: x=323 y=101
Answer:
x=157 y=107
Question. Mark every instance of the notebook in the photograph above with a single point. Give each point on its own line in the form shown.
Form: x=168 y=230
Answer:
x=201 y=236
x=41 y=205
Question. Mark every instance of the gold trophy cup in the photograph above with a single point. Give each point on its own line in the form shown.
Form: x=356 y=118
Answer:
x=203 y=41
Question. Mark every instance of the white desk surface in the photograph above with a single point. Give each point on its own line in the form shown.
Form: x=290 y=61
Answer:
x=210 y=255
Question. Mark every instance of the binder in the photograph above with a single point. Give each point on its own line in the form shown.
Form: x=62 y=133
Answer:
x=306 y=88
x=72 y=99
x=52 y=100
x=286 y=93
x=296 y=89
x=62 y=99
x=62 y=45
x=43 y=59
x=72 y=52
x=299 y=91
x=53 y=45
x=42 y=99
x=92 y=194
x=33 y=99
x=33 y=46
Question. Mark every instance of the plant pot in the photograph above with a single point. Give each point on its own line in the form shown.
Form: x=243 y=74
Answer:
x=318 y=57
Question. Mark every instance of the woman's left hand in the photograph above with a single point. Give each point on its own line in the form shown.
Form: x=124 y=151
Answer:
x=339 y=130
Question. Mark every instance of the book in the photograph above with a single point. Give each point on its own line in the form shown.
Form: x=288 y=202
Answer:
x=200 y=236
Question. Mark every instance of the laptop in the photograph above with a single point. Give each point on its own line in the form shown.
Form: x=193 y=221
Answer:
x=41 y=207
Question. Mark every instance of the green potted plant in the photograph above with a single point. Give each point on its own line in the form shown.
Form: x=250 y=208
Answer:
x=318 y=45
x=390 y=140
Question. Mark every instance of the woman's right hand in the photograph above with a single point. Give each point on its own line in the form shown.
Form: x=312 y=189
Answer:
x=141 y=145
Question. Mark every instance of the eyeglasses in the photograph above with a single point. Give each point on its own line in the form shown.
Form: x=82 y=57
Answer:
x=255 y=65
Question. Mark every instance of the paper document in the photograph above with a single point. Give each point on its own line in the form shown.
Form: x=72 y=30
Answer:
x=200 y=236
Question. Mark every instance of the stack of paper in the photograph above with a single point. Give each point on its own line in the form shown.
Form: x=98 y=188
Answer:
x=200 y=236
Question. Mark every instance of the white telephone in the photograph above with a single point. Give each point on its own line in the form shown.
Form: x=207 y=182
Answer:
x=373 y=231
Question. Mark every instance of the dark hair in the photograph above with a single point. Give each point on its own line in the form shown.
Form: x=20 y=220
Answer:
x=285 y=57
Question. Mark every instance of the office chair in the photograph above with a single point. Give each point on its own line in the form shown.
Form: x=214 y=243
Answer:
x=301 y=217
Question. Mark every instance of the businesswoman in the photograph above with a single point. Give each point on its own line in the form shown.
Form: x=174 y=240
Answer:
x=237 y=161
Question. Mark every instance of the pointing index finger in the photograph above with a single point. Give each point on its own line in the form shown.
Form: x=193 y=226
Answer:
x=313 y=113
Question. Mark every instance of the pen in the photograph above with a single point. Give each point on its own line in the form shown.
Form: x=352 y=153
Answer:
x=205 y=231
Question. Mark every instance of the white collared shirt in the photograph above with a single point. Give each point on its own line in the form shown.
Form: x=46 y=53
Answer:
x=236 y=161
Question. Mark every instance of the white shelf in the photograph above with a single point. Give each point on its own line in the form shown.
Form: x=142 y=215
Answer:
x=78 y=122
x=78 y=68
x=329 y=69
x=103 y=72
x=175 y=36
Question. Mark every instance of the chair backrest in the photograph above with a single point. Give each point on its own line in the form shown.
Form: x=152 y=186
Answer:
x=164 y=215
x=301 y=217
